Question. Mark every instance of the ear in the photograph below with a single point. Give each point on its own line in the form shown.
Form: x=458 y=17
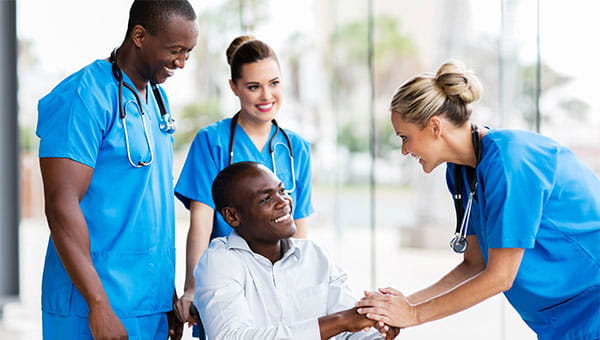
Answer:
x=436 y=125
x=233 y=87
x=137 y=35
x=231 y=216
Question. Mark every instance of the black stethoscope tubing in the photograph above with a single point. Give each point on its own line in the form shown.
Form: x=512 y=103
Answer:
x=167 y=123
x=459 y=242
x=232 y=129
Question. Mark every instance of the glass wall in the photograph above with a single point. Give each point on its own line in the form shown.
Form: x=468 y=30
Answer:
x=383 y=220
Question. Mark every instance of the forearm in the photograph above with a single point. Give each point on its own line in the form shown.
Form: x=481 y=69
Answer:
x=71 y=240
x=468 y=294
x=198 y=239
x=343 y=321
x=196 y=244
x=453 y=279
x=499 y=275
x=331 y=325
x=472 y=265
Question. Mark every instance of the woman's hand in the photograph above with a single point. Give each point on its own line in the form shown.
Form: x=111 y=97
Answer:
x=389 y=306
x=181 y=307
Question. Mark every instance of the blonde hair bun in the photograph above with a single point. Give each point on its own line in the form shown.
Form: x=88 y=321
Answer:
x=458 y=84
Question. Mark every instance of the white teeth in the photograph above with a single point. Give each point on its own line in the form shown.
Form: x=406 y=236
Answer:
x=170 y=71
x=265 y=106
x=284 y=217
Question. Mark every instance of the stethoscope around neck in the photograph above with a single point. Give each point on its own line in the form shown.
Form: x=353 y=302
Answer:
x=272 y=148
x=167 y=124
x=459 y=242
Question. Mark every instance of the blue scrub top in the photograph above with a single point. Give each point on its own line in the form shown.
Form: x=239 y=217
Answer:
x=535 y=194
x=129 y=211
x=209 y=154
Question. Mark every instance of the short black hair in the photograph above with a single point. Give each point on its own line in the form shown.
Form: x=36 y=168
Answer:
x=154 y=14
x=225 y=184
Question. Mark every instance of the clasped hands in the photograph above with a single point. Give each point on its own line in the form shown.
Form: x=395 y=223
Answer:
x=389 y=308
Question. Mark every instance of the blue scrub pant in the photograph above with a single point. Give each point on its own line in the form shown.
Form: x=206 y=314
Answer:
x=56 y=327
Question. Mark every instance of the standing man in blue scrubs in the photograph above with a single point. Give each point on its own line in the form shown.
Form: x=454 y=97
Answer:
x=106 y=162
x=528 y=212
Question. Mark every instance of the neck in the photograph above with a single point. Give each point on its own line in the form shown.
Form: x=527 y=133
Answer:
x=258 y=131
x=461 y=145
x=272 y=252
x=127 y=62
x=254 y=128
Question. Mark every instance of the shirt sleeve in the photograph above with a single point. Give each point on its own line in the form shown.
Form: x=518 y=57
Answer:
x=223 y=306
x=68 y=127
x=304 y=207
x=199 y=170
x=515 y=189
x=340 y=297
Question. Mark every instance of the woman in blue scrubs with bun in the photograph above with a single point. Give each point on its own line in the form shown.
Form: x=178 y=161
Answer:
x=252 y=134
x=528 y=212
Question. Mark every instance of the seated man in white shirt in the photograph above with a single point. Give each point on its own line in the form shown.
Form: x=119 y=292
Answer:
x=258 y=282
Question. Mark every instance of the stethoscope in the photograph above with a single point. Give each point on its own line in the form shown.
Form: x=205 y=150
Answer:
x=167 y=123
x=272 y=147
x=459 y=242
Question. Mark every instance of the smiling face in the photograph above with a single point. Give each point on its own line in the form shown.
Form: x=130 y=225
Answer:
x=423 y=144
x=167 y=50
x=259 y=90
x=263 y=209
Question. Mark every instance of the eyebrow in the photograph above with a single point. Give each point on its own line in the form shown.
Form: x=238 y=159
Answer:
x=269 y=190
x=257 y=83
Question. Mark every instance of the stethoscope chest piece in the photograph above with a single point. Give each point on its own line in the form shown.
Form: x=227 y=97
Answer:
x=168 y=125
x=459 y=244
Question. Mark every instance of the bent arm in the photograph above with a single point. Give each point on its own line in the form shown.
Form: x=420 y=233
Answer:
x=499 y=275
x=471 y=265
x=462 y=288
x=65 y=184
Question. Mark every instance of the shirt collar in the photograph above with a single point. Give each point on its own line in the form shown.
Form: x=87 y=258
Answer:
x=290 y=246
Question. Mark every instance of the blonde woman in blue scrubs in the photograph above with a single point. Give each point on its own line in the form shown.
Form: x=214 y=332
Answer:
x=252 y=134
x=534 y=225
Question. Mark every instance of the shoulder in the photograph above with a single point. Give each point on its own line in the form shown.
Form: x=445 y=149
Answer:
x=299 y=143
x=89 y=84
x=295 y=137
x=218 y=259
x=95 y=74
x=215 y=129
x=215 y=133
x=516 y=146
x=312 y=250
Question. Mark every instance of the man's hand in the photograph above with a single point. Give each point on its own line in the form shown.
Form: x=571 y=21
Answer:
x=388 y=305
x=387 y=332
x=104 y=323
x=175 y=326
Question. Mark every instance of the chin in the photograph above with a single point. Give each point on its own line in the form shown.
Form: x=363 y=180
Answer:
x=291 y=231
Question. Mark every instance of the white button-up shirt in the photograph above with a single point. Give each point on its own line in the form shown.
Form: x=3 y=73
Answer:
x=242 y=295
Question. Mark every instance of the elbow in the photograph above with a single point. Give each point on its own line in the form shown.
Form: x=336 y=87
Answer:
x=505 y=285
x=503 y=282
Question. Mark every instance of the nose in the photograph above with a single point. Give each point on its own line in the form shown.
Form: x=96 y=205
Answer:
x=404 y=149
x=282 y=199
x=265 y=93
